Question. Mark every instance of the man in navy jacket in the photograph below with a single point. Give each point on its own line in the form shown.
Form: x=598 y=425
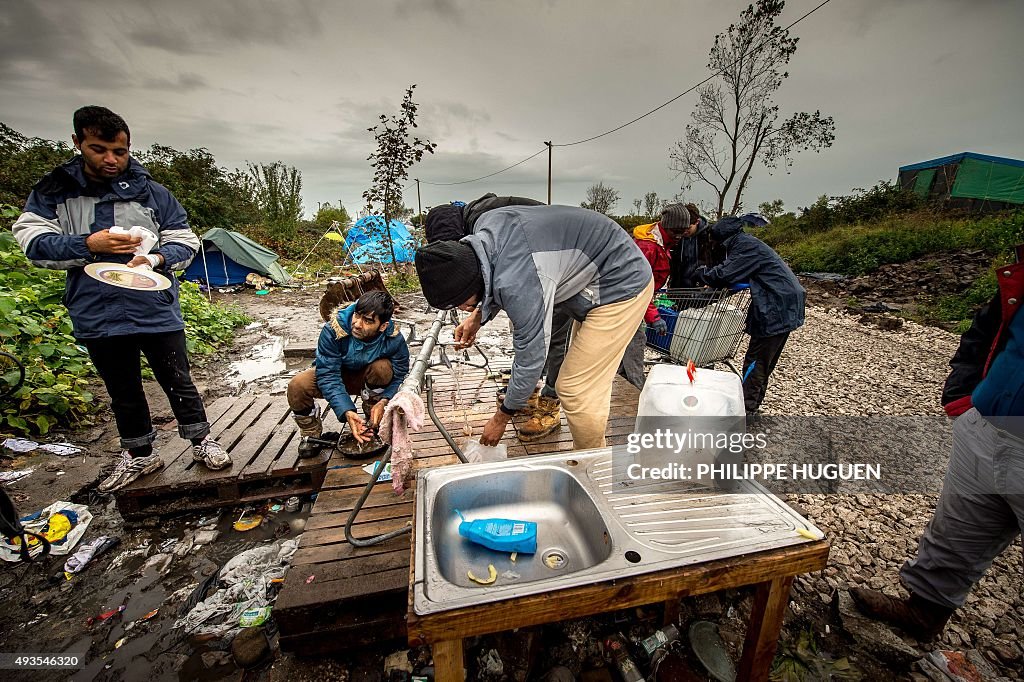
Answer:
x=776 y=299
x=65 y=226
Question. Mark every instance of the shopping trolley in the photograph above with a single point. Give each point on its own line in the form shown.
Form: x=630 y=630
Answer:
x=704 y=325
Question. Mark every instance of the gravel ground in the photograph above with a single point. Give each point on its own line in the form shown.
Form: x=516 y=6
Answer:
x=836 y=366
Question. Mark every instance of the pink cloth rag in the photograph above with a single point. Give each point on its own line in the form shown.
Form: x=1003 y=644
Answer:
x=403 y=415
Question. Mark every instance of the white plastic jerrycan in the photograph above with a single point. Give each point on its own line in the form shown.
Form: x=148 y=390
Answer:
x=696 y=419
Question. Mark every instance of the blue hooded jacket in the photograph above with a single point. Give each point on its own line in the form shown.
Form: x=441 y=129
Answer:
x=776 y=297
x=338 y=350
x=64 y=209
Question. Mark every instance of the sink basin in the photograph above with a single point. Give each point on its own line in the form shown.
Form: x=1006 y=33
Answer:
x=571 y=533
x=591 y=526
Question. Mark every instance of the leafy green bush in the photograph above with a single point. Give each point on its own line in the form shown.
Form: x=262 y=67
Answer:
x=208 y=326
x=859 y=249
x=35 y=327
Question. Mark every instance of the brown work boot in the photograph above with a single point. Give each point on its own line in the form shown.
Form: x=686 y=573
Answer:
x=310 y=425
x=544 y=419
x=531 y=402
x=916 y=616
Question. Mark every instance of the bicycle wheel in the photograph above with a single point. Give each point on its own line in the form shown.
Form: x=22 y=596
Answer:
x=12 y=374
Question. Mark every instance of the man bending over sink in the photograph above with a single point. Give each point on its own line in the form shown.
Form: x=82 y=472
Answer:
x=526 y=260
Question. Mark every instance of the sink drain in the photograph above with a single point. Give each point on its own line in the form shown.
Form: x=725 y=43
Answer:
x=555 y=559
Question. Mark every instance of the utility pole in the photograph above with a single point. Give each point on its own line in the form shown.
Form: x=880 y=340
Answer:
x=419 y=203
x=550 y=146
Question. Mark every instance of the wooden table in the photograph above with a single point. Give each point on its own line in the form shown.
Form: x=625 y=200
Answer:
x=770 y=572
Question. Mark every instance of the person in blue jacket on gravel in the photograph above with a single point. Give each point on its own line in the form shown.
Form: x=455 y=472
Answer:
x=776 y=299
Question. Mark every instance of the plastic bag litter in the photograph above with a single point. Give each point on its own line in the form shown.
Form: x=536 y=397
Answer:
x=475 y=452
x=245 y=585
x=12 y=476
x=86 y=553
x=19 y=445
x=63 y=524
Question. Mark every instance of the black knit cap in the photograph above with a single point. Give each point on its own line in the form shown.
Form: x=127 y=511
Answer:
x=449 y=273
x=675 y=218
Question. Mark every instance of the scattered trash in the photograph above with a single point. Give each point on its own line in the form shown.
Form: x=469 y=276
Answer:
x=253 y=617
x=62 y=449
x=707 y=645
x=262 y=292
x=12 y=476
x=310 y=579
x=513 y=556
x=167 y=545
x=19 y=445
x=253 y=325
x=385 y=475
x=88 y=552
x=492 y=575
x=276 y=507
x=62 y=523
x=105 y=616
x=246 y=580
x=119 y=643
x=660 y=638
x=206 y=537
x=292 y=504
x=490 y=663
x=158 y=561
x=616 y=645
x=245 y=524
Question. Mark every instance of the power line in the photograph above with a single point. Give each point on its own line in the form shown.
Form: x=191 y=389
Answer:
x=482 y=177
x=624 y=125
x=684 y=92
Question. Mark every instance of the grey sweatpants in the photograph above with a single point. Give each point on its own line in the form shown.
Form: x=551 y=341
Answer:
x=979 y=513
x=632 y=366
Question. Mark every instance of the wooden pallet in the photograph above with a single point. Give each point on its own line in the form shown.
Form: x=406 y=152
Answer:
x=358 y=596
x=262 y=440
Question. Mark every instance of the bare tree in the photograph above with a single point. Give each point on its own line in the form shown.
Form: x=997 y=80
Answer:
x=637 y=203
x=600 y=198
x=394 y=155
x=652 y=205
x=735 y=122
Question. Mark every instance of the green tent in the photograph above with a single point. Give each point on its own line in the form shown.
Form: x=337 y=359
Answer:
x=227 y=257
x=968 y=180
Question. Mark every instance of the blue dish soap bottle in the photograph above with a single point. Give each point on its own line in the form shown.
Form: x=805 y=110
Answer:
x=501 y=535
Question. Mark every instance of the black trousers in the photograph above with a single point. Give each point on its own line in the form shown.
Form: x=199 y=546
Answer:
x=118 y=361
x=561 y=330
x=765 y=351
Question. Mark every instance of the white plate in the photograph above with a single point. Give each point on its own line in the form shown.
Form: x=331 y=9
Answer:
x=120 y=275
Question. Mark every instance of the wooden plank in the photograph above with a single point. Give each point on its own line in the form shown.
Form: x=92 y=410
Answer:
x=449 y=665
x=770 y=601
x=339 y=581
x=235 y=434
x=333 y=520
x=172 y=474
x=328 y=536
x=333 y=553
x=355 y=476
x=344 y=499
x=612 y=595
x=256 y=439
x=282 y=438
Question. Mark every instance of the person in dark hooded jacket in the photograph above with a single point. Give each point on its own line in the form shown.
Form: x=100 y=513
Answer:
x=694 y=249
x=777 y=299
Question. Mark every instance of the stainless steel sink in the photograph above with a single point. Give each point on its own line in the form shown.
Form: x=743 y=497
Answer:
x=571 y=534
x=589 y=529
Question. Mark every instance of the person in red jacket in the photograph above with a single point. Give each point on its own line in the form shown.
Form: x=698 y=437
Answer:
x=656 y=241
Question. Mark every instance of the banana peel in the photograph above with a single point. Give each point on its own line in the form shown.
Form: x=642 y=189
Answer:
x=492 y=575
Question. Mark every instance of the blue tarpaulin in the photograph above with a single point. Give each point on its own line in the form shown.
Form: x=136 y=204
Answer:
x=366 y=241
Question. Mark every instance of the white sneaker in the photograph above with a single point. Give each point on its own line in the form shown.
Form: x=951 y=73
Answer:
x=128 y=469
x=212 y=454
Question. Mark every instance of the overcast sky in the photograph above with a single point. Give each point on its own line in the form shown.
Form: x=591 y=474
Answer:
x=301 y=80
